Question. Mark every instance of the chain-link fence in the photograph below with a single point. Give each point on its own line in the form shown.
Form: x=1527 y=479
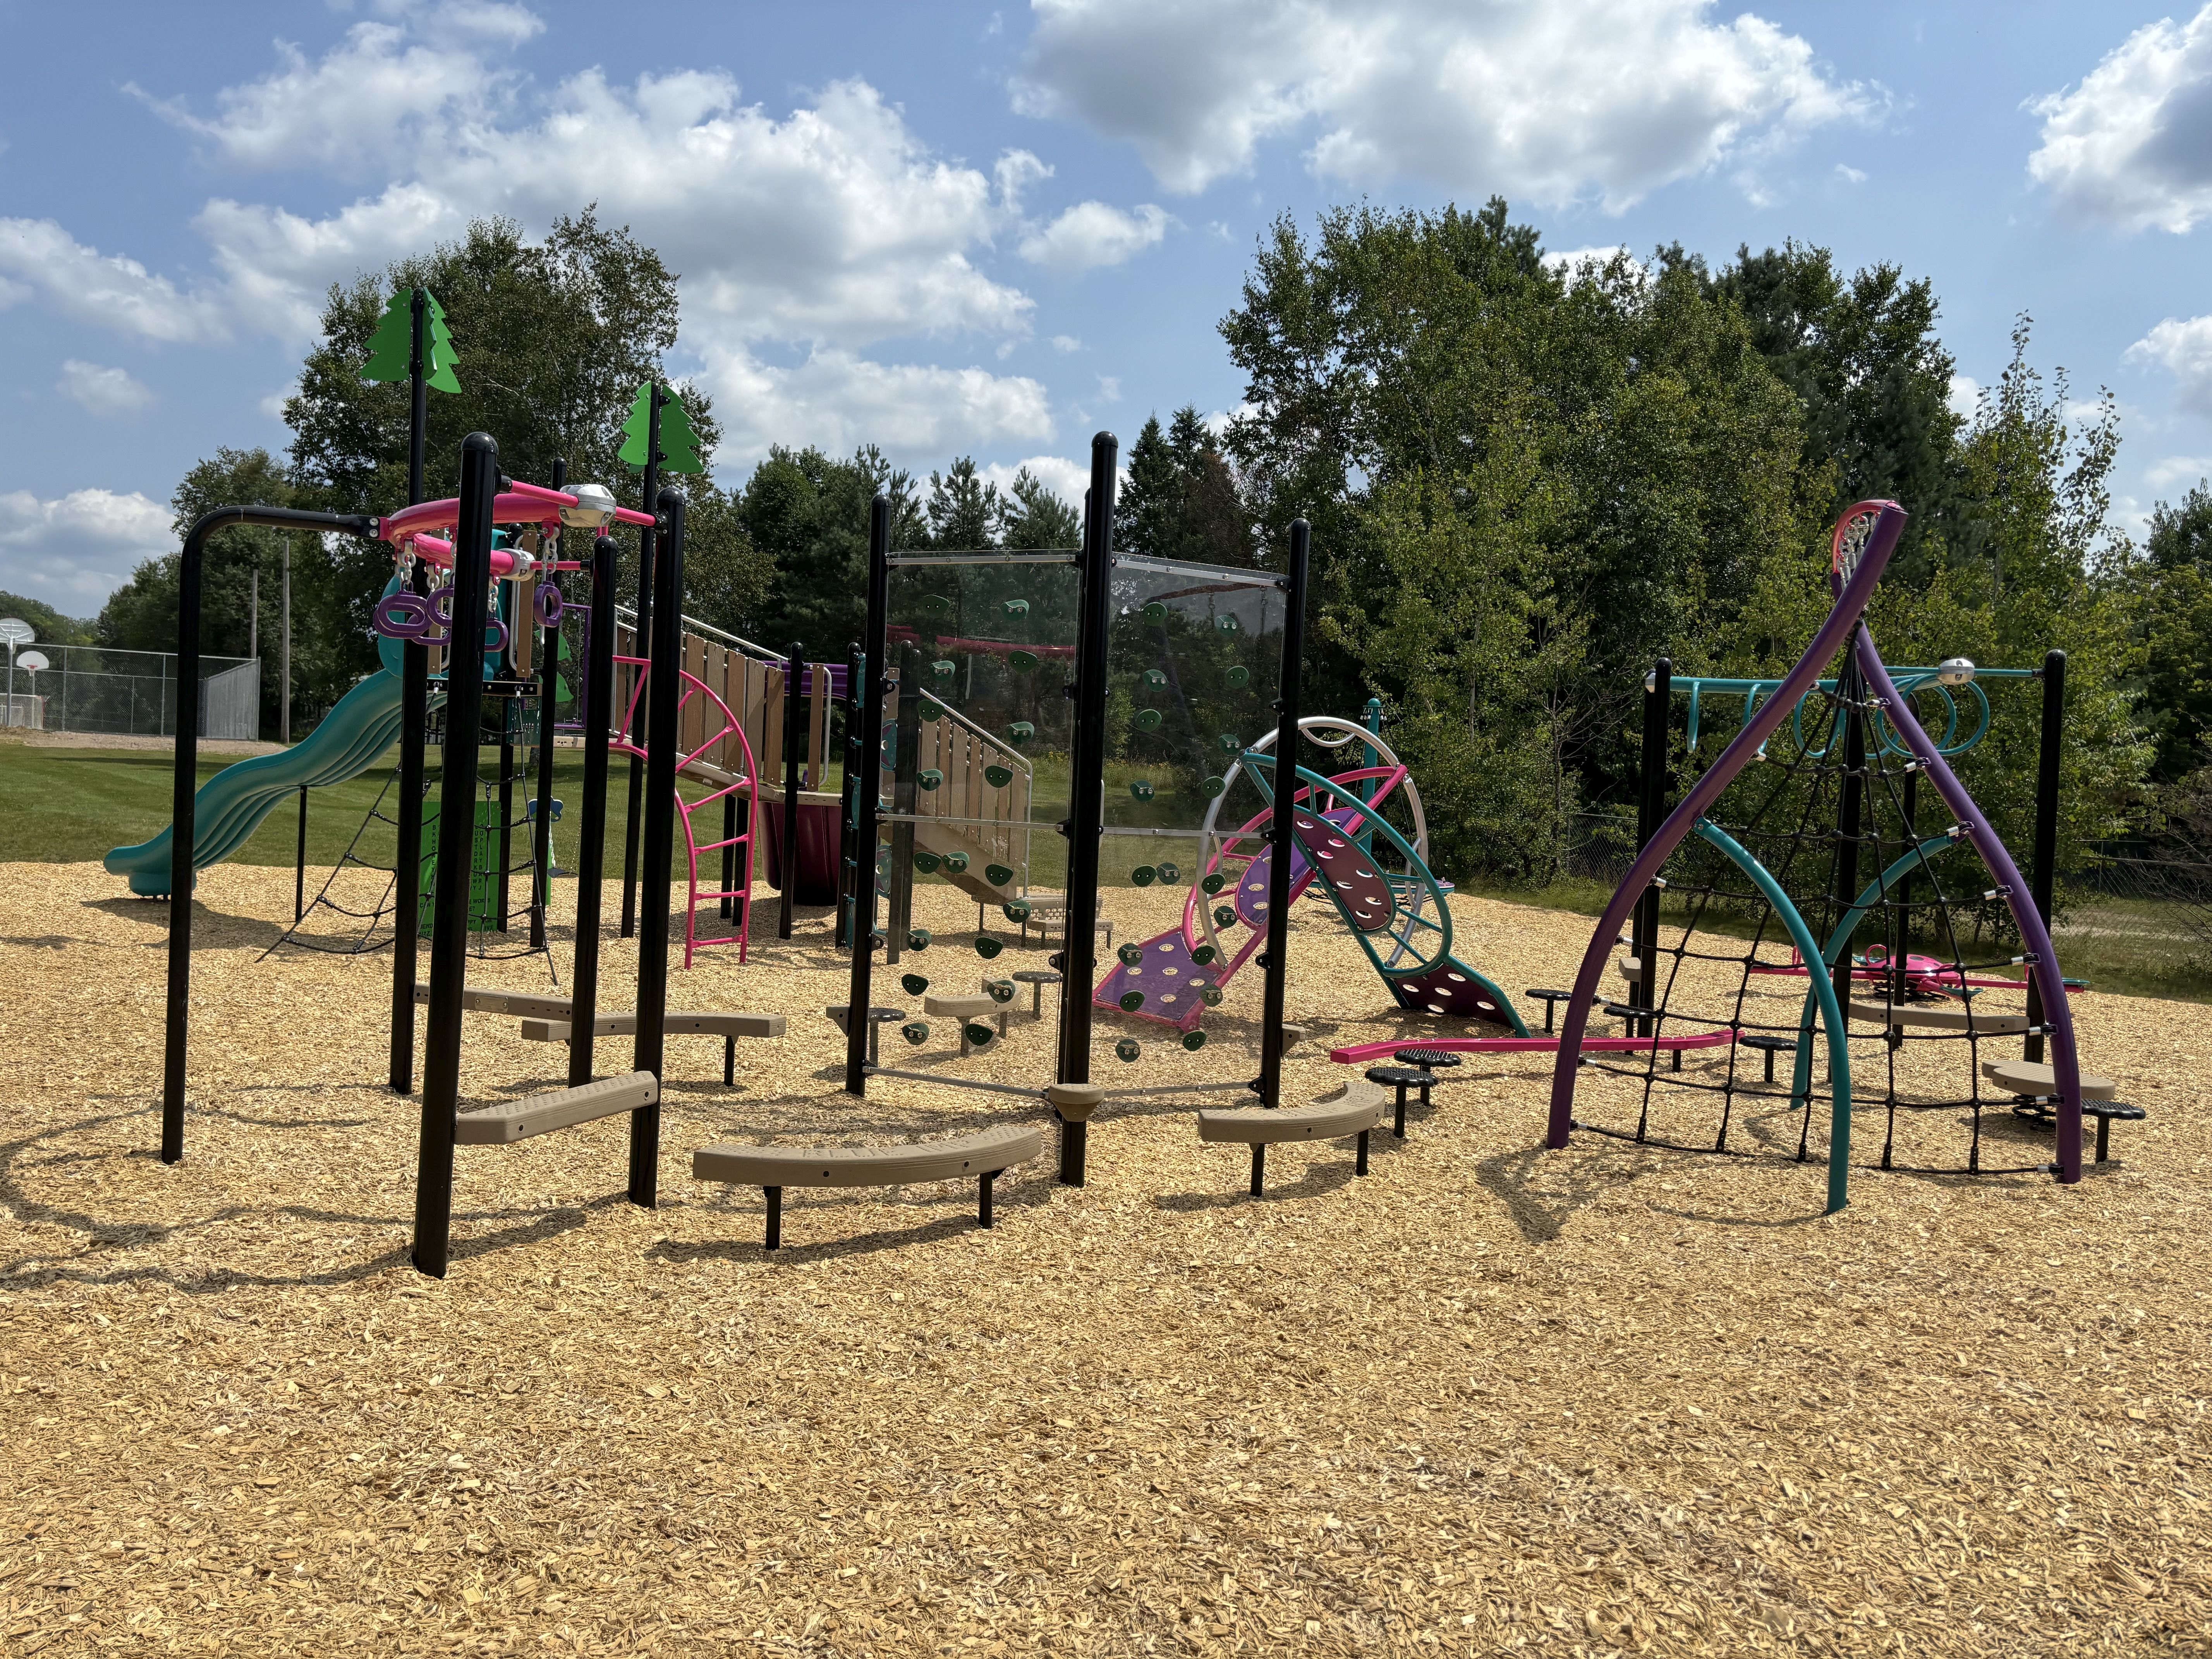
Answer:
x=86 y=688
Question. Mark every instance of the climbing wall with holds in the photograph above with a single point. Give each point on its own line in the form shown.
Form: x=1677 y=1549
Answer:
x=1194 y=658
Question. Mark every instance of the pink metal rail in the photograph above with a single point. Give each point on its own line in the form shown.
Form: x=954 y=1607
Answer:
x=741 y=784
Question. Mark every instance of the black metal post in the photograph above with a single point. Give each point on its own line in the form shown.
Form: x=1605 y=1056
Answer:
x=1900 y=910
x=1851 y=691
x=548 y=694
x=1650 y=813
x=864 y=765
x=592 y=829
x=2045 y=871
x=794 y=740
x=508 y=709
x=1280 y=832
x=300 y=864
x=449 y=911
x=849 y=892
x=665 y=691
x=414 y=724
x=647 y=536
x=906 y=775
x=184 y=783
x=1086 y=794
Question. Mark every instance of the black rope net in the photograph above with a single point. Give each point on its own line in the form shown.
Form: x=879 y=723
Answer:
x=354 y=913
x=1843 y=821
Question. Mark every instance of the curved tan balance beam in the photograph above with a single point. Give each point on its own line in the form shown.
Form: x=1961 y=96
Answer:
x=1354 y=1109
x=771 y=1169
x=1897 y=1015
x=561 y=1108
x=2037 y=1086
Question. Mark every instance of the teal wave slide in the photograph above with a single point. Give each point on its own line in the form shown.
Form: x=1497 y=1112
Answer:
x=231 y=804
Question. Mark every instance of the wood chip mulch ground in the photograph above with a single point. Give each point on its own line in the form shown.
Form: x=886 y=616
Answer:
x=1491 y=1399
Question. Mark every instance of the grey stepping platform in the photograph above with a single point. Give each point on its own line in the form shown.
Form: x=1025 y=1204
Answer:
x=1353 y=1110
x=984 y=1156
x=561 y=1108
x=1947 y=1017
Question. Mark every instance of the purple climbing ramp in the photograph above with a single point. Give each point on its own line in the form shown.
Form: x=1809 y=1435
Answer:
x=1450 y=987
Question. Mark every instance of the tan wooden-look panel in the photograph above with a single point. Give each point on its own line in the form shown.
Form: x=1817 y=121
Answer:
x=817 y=725
x=768 y=742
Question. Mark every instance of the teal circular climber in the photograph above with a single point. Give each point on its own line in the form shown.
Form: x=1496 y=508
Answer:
x=1155 y=678
x=986 y=947
x=1156 y=612
x=1020 y=731
x=1226 y=623
x=1210 y=995
x=998 y=776
x=956 y=863
x=1016 y=911
x=1131 y=1002
x=929 y=778
x=1194 y=1041
x=914 y=984
x=1239 y=677
x=914 y=1031
x=1017 y=607
x=979 y=1035
x=1169 y=874
x=1141 y=788
x=1002 y=990
x=1021 y=662
x=1212 y=786
x=926 y=863
x=1230 y=742
x=1143 y=875
x=1214 y=882
x=1131 y=955
x=1148 y=720
x=998 y=874
x=917 y=939
x=1204 y=954
x=1224 y=916
x=1127 y=1050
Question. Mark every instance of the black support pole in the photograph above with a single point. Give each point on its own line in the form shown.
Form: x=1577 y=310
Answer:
x=647 y=539
x=1086 y=794
x=300 y=864
x=591 y=828
x=666 y=690
x=414 y=723
x=905 y=777
x=1280 y=833
x=449 y=910
x=856 y=670
x=1650 y=813
x=794 y=741
x=864 y=768
x=184 y=787
x=1851 y=691
x=2045 y=870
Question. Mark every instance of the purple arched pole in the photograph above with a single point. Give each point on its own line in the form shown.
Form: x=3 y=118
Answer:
x=2035 y=937
x=1834 y=635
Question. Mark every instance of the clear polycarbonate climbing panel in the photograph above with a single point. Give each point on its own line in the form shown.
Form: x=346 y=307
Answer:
x=1195 y=668
x=977 y=729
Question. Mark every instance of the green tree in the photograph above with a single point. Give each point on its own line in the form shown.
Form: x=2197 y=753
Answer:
x=807 y=515
x=2175 y=582
x=53 y=627
x=1032 y=516
x=963 y=509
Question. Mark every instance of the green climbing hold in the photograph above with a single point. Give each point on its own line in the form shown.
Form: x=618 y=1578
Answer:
x=986 y=947
x=1018 y=607
x=1239 y=677
x=1126 y=1049
x=936 y=604
x=1223 y=914
x=1148 y=720
x=1227 y=623
x=929 y=777
x=1143 y=875
x=914 y=984
x=979 y=1035
x=1155 y=678
x=998 y=776
x=1156 y=612
x=1214 y=882
x=914 y=1031
x=1020 y=731
x=956 y=863
x=1141 y=788
x=944 y=668
x=917 y=939
x=1169 y=874
x=1194 y=1041
x=1210 y=995
x=932 y=710
x=1002 y=990
x=1021 y=661
x=1131 y=1002
x=1130 y=954
x=926 y=863
x=1204 y=954
x=1016 y=911
x=1212 y=786
x=997 y=874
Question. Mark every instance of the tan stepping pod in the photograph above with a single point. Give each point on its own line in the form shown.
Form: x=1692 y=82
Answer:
x=1075 y=1101
x=1947 y=1018
x=2024 y=1077
x=528 y=1005
x=975 y=1007
x=535 y=1114
x=1358 y=1105
x=1294 y=1035
x=1632 y=968
x=982 y=1156
x=674 y=1024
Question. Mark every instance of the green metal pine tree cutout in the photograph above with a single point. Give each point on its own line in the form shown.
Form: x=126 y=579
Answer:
x=390 y=347
x=679 y=445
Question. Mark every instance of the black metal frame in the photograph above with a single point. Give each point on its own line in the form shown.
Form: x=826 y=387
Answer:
x=591 y=832
x=862 y=770
x=647 y=584
x=1087 y=791
x=1275 y=960
x=665 y=698
x=1650 y=813
x=414 y=720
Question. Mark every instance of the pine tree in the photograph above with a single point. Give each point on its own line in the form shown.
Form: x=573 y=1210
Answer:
x=679 y=445
x=392 y=347
x=1147 y=502
x=963 y=509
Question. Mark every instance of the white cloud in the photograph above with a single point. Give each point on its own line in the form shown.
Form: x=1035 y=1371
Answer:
x=1851 y=175
x=1092 y=233
x=1109 y=388
x=1559 y=100
x=1065 y=478
x=1965 y=396
x=1569 y=262
x=1065 y=342
x=102 y=391
x=104 y=290
x=2177 y=470
x=2131 y=145
x=74 y=550
x=837 y=400
x=2184 y=349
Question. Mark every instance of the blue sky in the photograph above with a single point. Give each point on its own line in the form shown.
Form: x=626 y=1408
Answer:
x=993 y=229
